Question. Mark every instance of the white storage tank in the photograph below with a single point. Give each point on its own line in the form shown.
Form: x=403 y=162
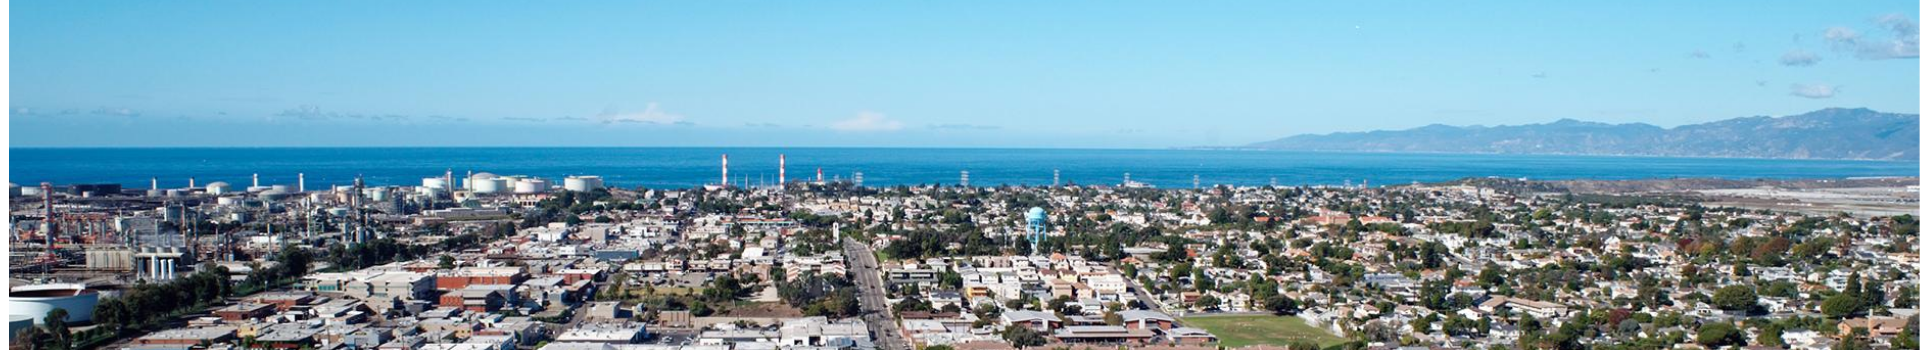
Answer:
x=30 y=191
x=582 y=183
x=491 y=185
x=434 y=182
x=36 y=301
x=337 y=212
x=473 y=181
x=228 y=201
x=530 y=185
x=219 y=188
x=377 y=194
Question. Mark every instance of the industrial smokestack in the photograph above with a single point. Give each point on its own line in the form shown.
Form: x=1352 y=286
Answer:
x=783 y=170
x=303 y=182
x=46 y=194
x=819 y=176
x=256 y=179
x=190 y=183
x=156 y=183
x=723 y=170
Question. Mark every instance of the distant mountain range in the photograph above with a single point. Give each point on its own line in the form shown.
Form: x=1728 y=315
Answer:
x=1833 y=133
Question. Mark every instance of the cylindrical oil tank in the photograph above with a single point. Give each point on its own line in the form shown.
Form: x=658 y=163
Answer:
x=228 y=201
x=283 y=188
x=473 y=181
x=30 y=191
x=219 y=188
x=434 y=182
x=338 y=212
x=490 y=185
x=582 y=183
x=377 y=194
x=530 y=185
x=38 y=300
x=273 y=194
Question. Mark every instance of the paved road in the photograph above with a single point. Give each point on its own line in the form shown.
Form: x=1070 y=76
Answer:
x=873 y=297
x=1153 y=302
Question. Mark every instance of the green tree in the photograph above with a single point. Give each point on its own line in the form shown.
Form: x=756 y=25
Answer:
x=1840 y=306
x=1282 y=305
x=1207 y=302
x=1720 y=334
x=1736 y=298
x=1021 y=336
x=59 y=337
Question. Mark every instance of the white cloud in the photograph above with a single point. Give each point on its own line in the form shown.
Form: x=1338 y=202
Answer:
x=1898 y=24
x=867 y=121
x=1904 y=44
x=1799 y=58
x=652 y=115
x=1841 y=36
x=1815 y=91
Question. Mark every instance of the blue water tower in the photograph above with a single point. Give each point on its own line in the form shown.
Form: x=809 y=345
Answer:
x=1036 y=226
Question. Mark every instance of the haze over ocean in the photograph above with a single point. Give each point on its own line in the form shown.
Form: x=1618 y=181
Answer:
x=689 y=167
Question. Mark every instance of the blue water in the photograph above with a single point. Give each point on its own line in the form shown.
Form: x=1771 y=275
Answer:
x=688 y=167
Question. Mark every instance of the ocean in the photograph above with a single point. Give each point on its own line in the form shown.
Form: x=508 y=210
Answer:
x=690 y=167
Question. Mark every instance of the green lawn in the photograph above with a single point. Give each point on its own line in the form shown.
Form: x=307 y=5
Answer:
x=1242 y=330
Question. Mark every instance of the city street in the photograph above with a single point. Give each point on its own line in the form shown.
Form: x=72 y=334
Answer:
x=873 y=297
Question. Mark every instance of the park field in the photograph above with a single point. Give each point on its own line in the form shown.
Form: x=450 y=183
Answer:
x=1242 y=330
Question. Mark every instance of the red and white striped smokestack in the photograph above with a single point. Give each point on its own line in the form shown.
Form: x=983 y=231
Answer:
x=783 y=170
x=819 y=176
x=723 y=170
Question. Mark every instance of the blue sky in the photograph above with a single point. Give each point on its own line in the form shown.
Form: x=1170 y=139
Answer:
x=1095 y=74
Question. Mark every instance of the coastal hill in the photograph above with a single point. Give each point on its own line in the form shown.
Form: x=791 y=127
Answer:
x=1833 y=133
